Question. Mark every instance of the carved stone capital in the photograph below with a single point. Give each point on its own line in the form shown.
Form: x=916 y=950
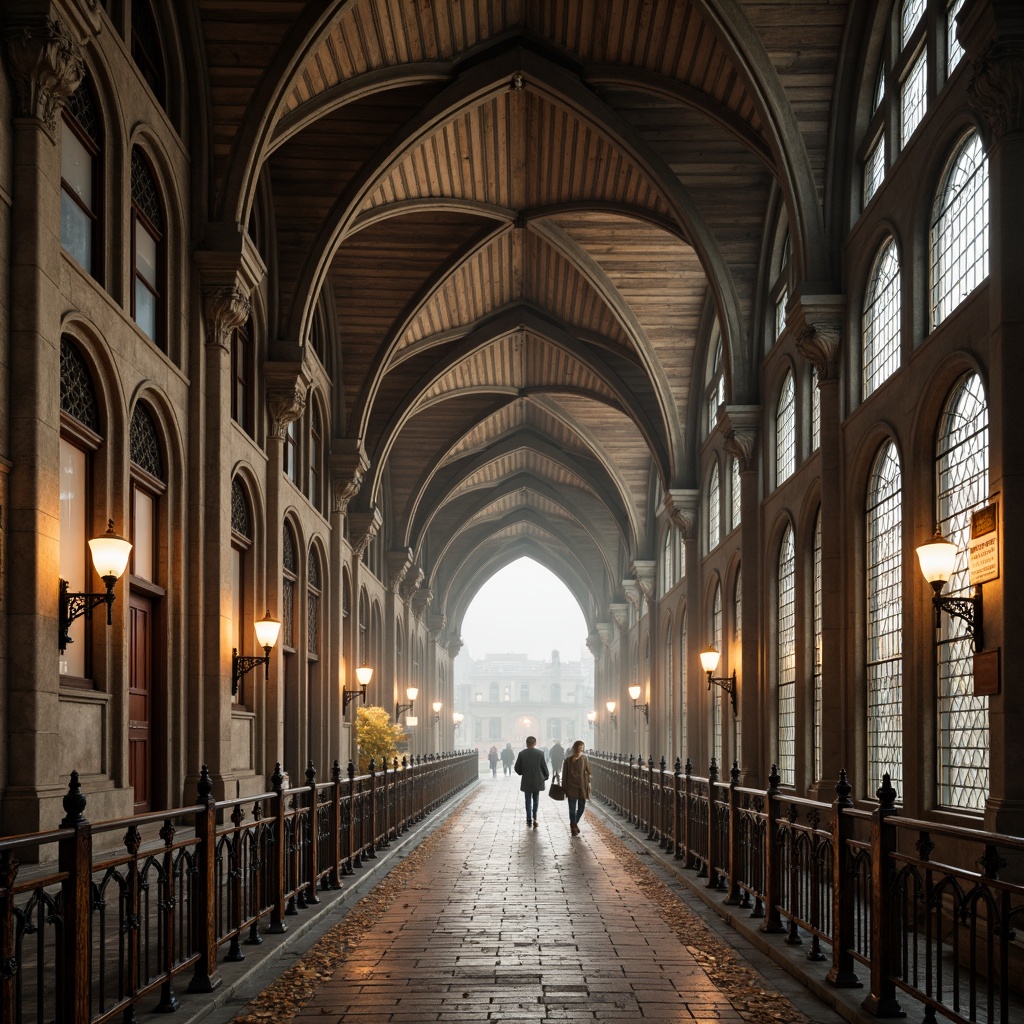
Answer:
x=644 y=573
x=741 y=424
x=596 y=642
x=436 y=621
x=226 y=308
x=681 y=508
x=287 y=388
x=349 y=466
x=46 y=66
x=411 y=583
x=399 y=563
x=421 y=601
x=996 y=88
x=455 y=644
x=604 y=631
x=619 y=614
x=818 y=324
x=364 y=527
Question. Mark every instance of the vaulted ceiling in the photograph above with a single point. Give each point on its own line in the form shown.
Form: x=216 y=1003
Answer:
x=524 y=218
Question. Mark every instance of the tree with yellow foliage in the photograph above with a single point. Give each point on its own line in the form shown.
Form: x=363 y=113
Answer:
x=378 y=737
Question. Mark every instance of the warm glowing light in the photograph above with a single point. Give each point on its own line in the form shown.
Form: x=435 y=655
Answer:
x=611 y=707
x=364 y=674
x=937 y=558
x=267 y=630
x=709 y=659
x=437 y=705
x=411 y=691
x=634 y=691
x=110 y=553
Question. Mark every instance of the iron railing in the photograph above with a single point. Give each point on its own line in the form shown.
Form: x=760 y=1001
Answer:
x=902 y=906
x=93 y=936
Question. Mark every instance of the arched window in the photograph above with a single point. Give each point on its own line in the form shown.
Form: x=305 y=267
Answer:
x=785 y=658
x=884 y=622
x=669 y=675
x=313 y=606
x=667 y=577
x=961 y=484
x=146 y=50
x=80 y=437
x=785 y=431
x=241 y=570
x=289 y=576
x=959 y=237
x=147 y=250
x=364 y=625
x=816 y=621
x=815 y=411
x=290 y=455
x=716 y=702
x=148 y=484
x=714 y=393
x=243 y=377
x=316 y=455
x=736 y=493
x=714 y=509
x=80 y=182
x=914 y=83
x=880 y=321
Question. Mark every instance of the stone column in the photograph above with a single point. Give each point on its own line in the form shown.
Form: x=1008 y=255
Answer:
x=653 y=733
x=46 y=66
x=993 y=36
x=741 y=435
x=818 y=341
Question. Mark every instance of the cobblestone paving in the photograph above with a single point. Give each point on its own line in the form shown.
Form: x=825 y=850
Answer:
x=489 y=921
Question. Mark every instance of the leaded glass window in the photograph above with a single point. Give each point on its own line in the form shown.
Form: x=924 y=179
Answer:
x=815 y=411
x=874 y=168
x=716 y=702
x=242 y=374
x=816 y=629
x=737 y=493
x=240 y=521
x=714 y=510
x=289 y=576
x=785 y=431
x=144 y=445
x=910 y=15
x=785 y=659
x=77 y=396
x=666 y=561
x=79 y=174
x=961 y=486
x=737 y=607
x=880 y=322
x=147 y=238
x=959 y=233
x=884 y=586
x=316 y=435
x=954 y=50
x=715 y=394
x=146 y=49
x=780 y=314
x=313 y=606
x=913 y=98
x=879 y=94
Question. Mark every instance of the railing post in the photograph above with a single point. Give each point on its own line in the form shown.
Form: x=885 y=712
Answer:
x=168 y=1000
x=881 y=1000
x=314 y=837
x=687 y=803
x=677 y=811
x=75 y=858
x=277 y=925
x=131 y=920
x=406 y=803
x=650 y=798
x=8 y=961
x=355 y=854
x=664 y=832
x=336 y=869
x=714 y=881
x=235 y=954
x=372 y=848
x=773 y=861
x=206 y=976
x=733 y=858
x=842 y=974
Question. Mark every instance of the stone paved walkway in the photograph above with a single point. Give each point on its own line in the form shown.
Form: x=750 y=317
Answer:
x=505 y=923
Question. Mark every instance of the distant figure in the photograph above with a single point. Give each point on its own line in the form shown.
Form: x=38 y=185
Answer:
x=533 y=768
x=557 y=755
x=492 y=758
x=576 y=783
x=508 y=756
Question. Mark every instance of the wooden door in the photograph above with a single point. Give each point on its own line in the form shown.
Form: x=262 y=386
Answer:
x=140 y=701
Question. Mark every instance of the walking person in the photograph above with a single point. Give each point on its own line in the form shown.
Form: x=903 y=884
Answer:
x=532 y=766
x=576 y=783
x=508 y=755
x=557 y=756
x=492 y=760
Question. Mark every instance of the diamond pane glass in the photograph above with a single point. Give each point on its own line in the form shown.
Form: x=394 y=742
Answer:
x=288 y=551
x=961 y=486
x=874 y=169
x=144 y=446
x=288 y=612
x=910 y=14
x=816 y=623
x=714 y=510
x=880 y=323
x=313 y=623
x=884 y=654
x=960 y=230
x=77 y=397
x=785 y=659
x=737 y=493
x=144 y=193
x=815 y=411
x=785 y=431
x=955 y=51
x=240 y=521
x=913 y=98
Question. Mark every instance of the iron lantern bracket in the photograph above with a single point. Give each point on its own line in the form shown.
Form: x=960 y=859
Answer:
x=645 y=708
x=72 y=605
x=347 y=696
x=244 y=663
x=727 y=683
x=968 y=610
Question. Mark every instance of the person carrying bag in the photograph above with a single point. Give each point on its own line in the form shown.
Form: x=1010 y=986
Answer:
x=576 y=784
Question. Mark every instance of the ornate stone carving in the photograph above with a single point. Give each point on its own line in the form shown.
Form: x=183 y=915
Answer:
x=455 y=644
x=399 y=563
x=421 y=601
x=436 y=621
x=996 y=88
x=365 y=526
x=619 y=613
x=741 y=433
x=681 y=508
x=226 y=308
x=604 y=630
x=46 y=67
x=411 y=583
x=349 y=466
x=596 y=642
x=819 y=343
x=285 y=403
x=644 y=574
